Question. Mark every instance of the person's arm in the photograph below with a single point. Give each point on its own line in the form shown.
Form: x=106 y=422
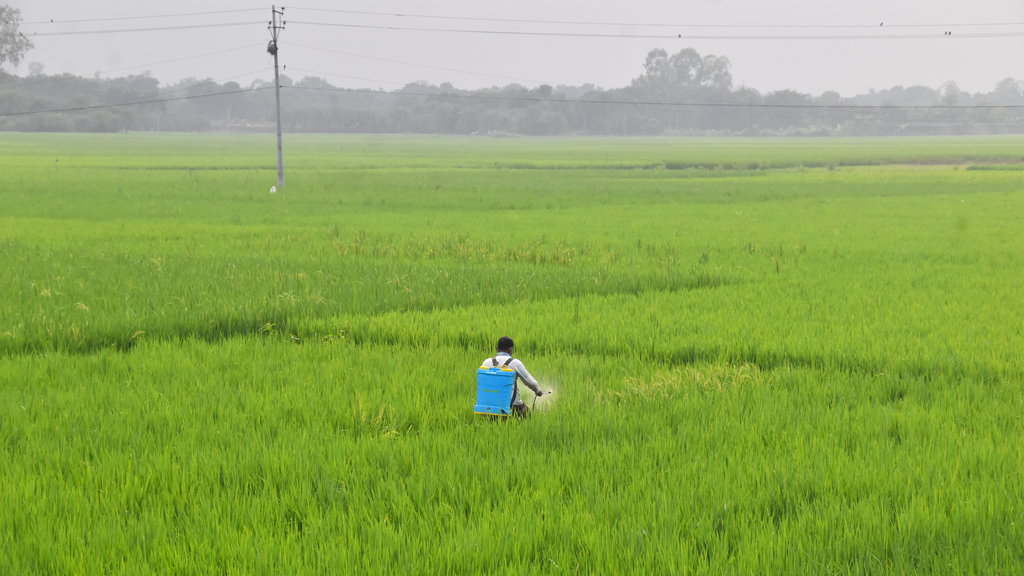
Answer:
x=526 y=377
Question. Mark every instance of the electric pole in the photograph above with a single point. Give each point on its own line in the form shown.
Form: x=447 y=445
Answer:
x=275 y=29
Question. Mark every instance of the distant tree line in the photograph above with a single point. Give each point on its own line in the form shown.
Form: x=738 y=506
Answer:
x=682 y=94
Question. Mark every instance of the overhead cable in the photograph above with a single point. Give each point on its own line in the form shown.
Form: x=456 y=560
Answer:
x=51 y=78
x=670 y=36
x=99 y=106
x=662 y=103
x=648 y=24
x=351 y=77
x=415 y=64
x=184 y=58
x=218 y=81
x=155 y=29
x=145 y=17
x=22 y=84
x=522 y=99
x=58 y=77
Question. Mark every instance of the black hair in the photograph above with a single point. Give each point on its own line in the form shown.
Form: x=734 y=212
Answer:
x=505 y=343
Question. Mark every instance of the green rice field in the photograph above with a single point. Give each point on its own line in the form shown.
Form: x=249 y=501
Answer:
x=769 y=356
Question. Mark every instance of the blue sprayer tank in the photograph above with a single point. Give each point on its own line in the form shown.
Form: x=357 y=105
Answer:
x=494 y=385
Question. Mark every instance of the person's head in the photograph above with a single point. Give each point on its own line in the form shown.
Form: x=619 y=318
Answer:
x=505 y=344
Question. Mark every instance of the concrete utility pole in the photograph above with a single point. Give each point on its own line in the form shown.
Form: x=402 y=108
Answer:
x=275 y=29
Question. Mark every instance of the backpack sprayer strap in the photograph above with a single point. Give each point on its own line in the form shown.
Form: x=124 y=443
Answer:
x=515 y=383
x=515 y=377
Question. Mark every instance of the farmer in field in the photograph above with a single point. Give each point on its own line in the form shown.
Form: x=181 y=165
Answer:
x=504 y=358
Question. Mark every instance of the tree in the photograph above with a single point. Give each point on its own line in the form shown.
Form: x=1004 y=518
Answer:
x=786 y=97
x=788 y=111
x=830 y=97
x=686 y=68
x=951 y=94
x=1008 y=92
x=13 y=44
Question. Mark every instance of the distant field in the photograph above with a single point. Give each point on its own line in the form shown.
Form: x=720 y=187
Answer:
x=769 y=355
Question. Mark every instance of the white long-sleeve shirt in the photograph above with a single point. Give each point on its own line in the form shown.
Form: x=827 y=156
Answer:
x=524 y=375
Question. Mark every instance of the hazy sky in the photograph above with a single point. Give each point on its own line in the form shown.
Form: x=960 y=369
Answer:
x=849 y=66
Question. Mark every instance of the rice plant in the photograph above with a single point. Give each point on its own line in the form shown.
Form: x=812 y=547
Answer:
x=757 y=370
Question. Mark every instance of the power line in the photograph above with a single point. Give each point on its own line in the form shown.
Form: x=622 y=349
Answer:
x=154 y=29
x=194 y=86
x=565 y=34
x=652 y=25
x=661 y=103
x=167 y=91
x=183 y=58
x=144 y=17
x=117 y=18
x=534 y=21
x=673 y=36
x=99 y=106
x=522 y=99
x=351 y=77
x=55 y=77
x=413 y=64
